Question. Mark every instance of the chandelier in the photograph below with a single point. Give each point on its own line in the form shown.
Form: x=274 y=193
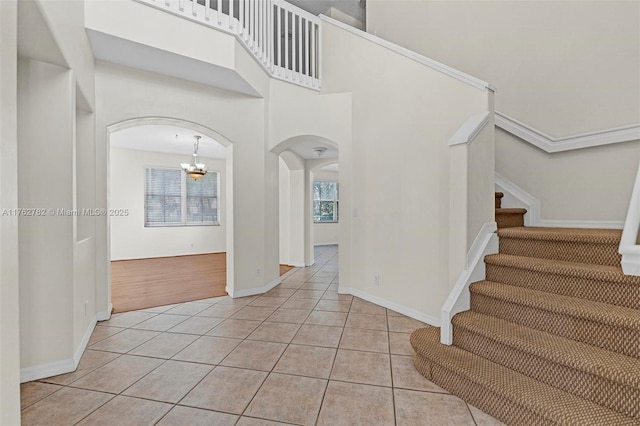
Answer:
x=194 y=170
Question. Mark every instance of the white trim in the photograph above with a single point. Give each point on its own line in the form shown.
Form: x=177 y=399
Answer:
x=532 y=204
x=435 y=65
x=584 y=140
x=428 y=319
x=629 y=248
x=49 y=369
x=254 y=290
x=104 y=316
x=470 y=129
x=63 y=366
x=459 y=298
x=297 y=264
x=84 y=342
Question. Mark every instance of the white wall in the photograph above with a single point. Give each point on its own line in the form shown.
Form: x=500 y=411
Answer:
x=46 y=242
x=125 y=94
x=560 y=67
x=130 y=239
x=325 y=233
x=394 y=176
x=284 y=199
x=9 y=279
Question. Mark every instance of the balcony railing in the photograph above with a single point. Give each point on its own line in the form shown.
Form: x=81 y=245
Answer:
x=283 y=38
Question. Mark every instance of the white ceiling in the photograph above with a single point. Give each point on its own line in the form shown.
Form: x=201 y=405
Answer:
x=168 y=139
x=350 y=7
x=330 y=167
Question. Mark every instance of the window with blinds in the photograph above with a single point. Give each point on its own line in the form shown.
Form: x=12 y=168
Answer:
x=173 y=199
x=325 y=201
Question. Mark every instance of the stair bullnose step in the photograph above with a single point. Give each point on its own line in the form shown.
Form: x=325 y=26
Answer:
x=600 y=283
x=613 y=315
x=610 y=327
x=466 y=374
x=599 y=362
x=561 y=267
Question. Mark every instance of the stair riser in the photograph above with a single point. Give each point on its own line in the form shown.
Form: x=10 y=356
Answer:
x=620 y=398
x=627 y=295
x=597 y=254
x=489 y=402
x=509 y=220
x=616 y=339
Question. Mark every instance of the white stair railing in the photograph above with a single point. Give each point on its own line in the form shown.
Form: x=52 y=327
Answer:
x=283 y=38
x=630 y=241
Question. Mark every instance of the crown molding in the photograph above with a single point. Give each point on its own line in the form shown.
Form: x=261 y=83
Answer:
x=584 y=140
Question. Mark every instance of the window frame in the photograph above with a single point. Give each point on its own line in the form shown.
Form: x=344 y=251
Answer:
x=336 y=201
x=183 y=201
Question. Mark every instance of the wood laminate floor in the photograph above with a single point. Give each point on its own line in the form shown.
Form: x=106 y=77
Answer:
x=147 y=283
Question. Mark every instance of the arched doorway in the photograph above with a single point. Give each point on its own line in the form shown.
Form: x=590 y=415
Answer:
x=164 y=219
x=299 y=157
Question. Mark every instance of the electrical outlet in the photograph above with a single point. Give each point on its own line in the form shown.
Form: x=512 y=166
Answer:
x=258 y=272
x=376 y=280
x=191 y=245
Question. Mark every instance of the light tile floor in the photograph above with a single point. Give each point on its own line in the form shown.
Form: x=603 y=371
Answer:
x=301 y=354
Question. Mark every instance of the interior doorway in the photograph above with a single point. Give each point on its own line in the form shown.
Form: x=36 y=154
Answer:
x=168 y=233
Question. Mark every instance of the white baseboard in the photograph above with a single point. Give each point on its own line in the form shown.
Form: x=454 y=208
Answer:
x=297 y=264
x=459 y=299
x=255 y=290
x=63 y=366
x=404 y=310
x=104 y=316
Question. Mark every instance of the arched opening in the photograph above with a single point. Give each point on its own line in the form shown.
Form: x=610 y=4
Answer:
x=170 y=237
x=299 y=211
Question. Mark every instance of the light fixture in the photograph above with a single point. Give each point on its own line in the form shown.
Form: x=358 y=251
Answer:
x=319 y=151
x=194 y=170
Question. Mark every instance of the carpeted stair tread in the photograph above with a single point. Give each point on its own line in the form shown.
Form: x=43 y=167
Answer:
x=597 y=246
x=583 y=235
x=457 y=370
x=612 y=366
x=600 y=283
x=509 y=217
x=510 y=210
x=613 y=315
x=606 y=326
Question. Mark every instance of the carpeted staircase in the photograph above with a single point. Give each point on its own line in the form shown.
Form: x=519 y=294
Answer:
x=553 y=334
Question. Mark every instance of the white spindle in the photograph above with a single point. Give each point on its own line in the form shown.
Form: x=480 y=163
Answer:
x=319 y=53
x=307 y=48
x=271 y=35
x=313 y=51
x=294 y=51
x=286 y=41
x=168 y=3
x=265 y=23
x=181 y=5
x=299 y=38
x=279 y=37
x=207 y=9
x=219 y=12
x=250 y=20
x=241 y=19
x=259 y=41
x=230 y=14
x=194 y=7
